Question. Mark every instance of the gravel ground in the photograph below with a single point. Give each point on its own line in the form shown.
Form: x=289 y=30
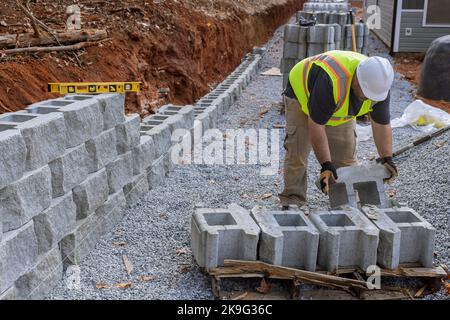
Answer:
x=155 y=234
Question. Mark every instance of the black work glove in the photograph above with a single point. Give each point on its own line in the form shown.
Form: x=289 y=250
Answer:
x=392 y=168
x=328 y=174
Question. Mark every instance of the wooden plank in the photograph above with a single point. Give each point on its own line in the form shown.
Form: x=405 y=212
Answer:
x=437 y=272
x=238 y=267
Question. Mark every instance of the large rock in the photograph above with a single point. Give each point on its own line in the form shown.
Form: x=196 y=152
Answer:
x=435 y=76
x=25 y=198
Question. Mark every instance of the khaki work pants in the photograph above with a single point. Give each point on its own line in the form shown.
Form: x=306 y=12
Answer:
x=341 y=140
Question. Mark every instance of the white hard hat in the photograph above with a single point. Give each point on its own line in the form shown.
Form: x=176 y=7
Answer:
x=375 y=77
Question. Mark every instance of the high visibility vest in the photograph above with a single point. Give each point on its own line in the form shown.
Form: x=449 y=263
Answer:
x=341 y=68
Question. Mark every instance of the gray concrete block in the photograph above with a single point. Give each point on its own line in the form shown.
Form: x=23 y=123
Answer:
x=13 y=152
x=360 y=185
x=128 y=133
x=120 y=172
x=25 y=198
x=84 y=121
x=112 y=212
x=291 y=33
x=161 y=138
x=156 y=172
x=137 y=188
x=82 y=240
x=143 y=155
x=18 y=253
x=102 y=150
x=347 y=239
x=405 y=237
x=112 y=107
x=175 y=122
x=303 y=35
x=290 y=50
x=52 y=225
x=287 y=238
x=320 y=33
x=69 y=170
x=302 y=51
x=91 y=193
x=37 y=283
x=44 y=138
x=318 y=48
x=219 y=234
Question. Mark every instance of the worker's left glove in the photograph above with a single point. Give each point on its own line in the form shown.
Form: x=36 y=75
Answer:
x=328 y=175
x=392 y=168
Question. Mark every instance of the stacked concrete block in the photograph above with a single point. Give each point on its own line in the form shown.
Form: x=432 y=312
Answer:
x=362 y=37
x=137 y=188
x=56 y=222
x=13 y=152
x=91 y=193
x=287 y=238
x=120 y=172
x=18 y=253
x=102 y=150
x=347 y=239
x=405 y=237
x=357 y=186
x=25 y=198
x=320 y=39
x=128 y=133
x=220 y=234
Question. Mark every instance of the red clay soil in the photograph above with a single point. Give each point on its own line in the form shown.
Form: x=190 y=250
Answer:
x=185 y=46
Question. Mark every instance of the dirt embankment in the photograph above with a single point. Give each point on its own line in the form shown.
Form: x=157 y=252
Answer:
x=184 y=46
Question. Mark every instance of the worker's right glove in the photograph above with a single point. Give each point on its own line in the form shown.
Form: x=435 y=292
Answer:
x=392 y=168
x=328 y=175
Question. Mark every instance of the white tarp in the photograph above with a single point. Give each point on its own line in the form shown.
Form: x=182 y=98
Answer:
x=418 y=114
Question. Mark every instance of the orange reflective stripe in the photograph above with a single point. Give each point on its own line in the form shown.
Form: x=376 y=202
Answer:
x=304 y=74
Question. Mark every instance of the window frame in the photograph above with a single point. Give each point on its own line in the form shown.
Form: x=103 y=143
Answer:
x=424 y=21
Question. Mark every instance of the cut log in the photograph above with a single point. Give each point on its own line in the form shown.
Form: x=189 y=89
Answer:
x=29 y=40
x=73 y=47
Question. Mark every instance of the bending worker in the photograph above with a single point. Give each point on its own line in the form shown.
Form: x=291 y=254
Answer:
x=324 y=95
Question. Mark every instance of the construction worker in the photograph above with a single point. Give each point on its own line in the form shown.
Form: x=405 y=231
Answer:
x=324 y=95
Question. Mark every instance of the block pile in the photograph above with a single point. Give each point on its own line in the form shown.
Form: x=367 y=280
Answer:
x=70 y=166
x=370 y=233
x=332 y=32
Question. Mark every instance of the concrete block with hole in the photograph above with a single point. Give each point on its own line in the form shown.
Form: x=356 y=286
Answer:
x=69 y=170
x=37 y=283
x=137 y=188
x=120 y=172
x=13 y=152
x=91 y=193
x=101 y=150
x=128 y=133
x=143 y=154
x=25 y=198
x=112 y=106
x=161 y=138
x=18 y=253
x=53 y=224
x=84 y=121
x=405 y=237
x=287 y=238
x=220 y=234
x=347 y=239
x=360 y=185
x=287 y=65
x=44 y=136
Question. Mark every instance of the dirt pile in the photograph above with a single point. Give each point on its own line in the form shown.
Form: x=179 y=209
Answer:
x=179 y=49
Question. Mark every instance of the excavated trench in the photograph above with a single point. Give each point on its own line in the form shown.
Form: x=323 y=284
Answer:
x=178 y=50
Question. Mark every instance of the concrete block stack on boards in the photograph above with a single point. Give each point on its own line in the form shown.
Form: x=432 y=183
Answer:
x=70 y=166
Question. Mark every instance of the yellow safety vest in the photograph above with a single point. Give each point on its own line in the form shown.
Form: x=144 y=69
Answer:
x=340 y=67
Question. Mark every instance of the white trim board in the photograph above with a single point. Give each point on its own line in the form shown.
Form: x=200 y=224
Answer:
x=398 y=22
